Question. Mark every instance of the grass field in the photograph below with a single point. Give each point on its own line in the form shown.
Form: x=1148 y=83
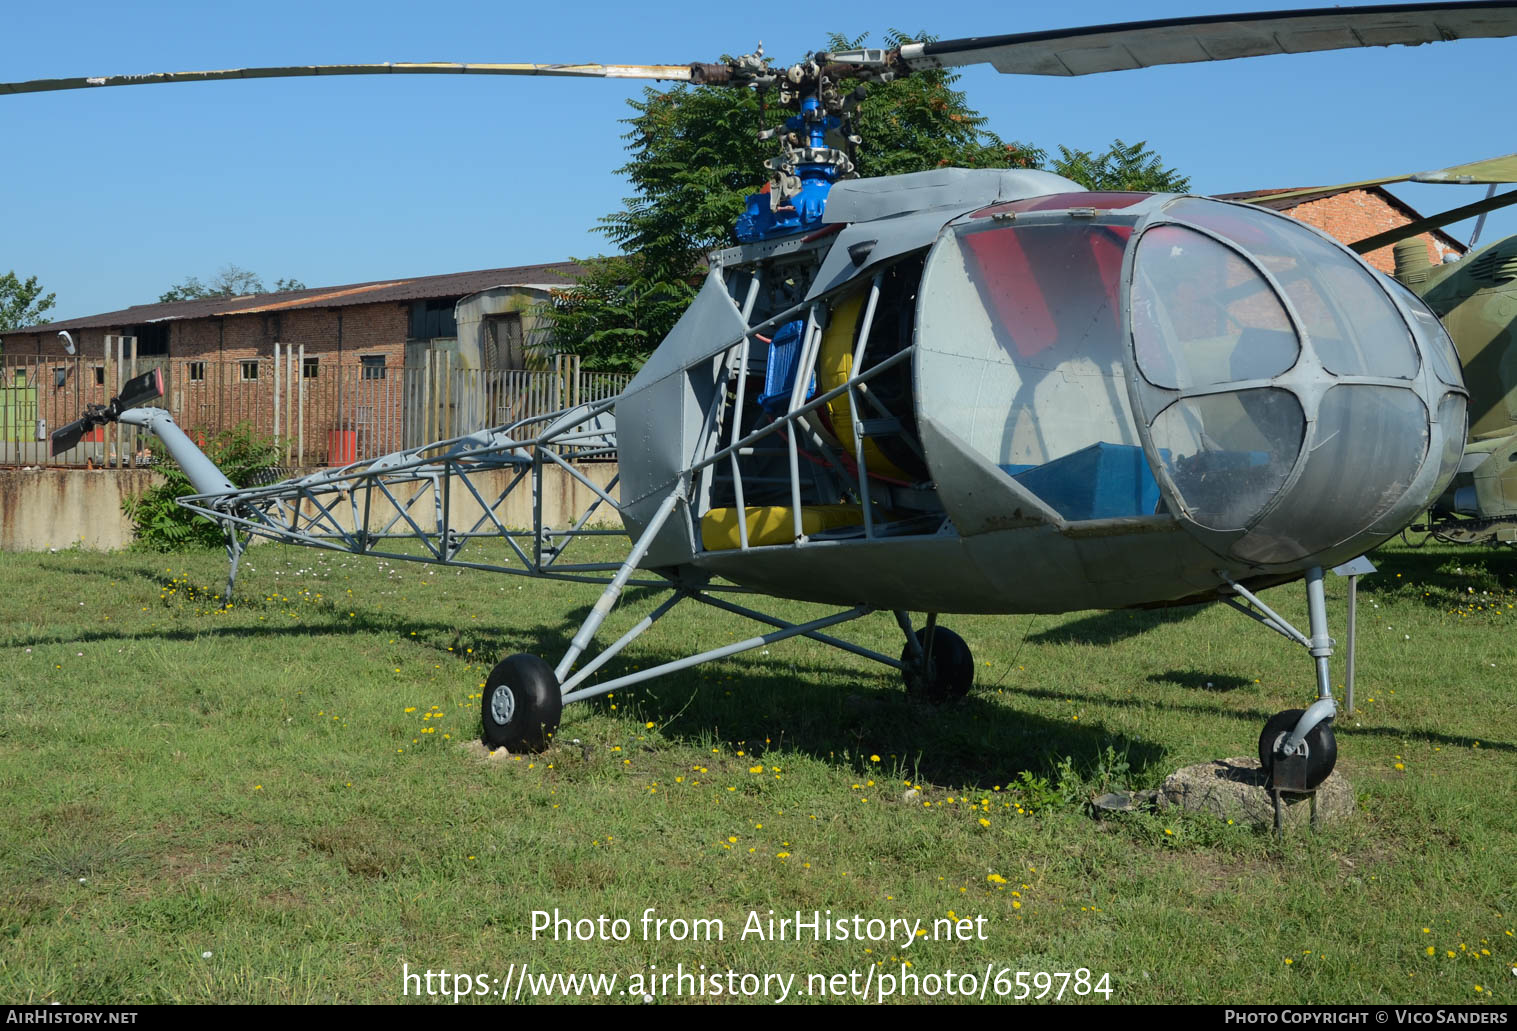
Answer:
x=283 y=800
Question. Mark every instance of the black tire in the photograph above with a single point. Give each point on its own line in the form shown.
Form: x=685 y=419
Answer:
x=1321 y=746
x=521 y=705
x=952 y=673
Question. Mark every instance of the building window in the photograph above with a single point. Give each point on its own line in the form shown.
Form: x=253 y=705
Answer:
x=100 y=375
x=60 y=376
x=197 y=372
x=373 y=366
x=309 y=369
x=250 y=369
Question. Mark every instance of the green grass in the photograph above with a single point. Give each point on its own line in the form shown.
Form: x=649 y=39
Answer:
x=291 y=786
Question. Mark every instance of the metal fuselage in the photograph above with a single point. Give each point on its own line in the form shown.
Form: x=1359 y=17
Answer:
x=1060 y=400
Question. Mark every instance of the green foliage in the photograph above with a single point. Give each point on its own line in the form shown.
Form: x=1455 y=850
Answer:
x=21 y=302
x=231 y=281
x=1121 y=167
x=695 y=156
x=163 y=525
x=618 y=312
x=1036 y=793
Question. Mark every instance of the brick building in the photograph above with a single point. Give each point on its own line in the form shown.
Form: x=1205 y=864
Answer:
x=338 y=324
x=1350 y=214
x=323 y=367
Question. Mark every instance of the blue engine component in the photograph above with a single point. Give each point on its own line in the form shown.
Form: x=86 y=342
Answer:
x=779 y=374
x=759 y=221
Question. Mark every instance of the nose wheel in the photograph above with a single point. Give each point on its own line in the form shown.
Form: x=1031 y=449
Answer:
x=1310 y=764
x=521 y=705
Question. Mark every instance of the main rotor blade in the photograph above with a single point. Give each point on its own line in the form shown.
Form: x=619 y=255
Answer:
x=1111 y=48
x=677 y=72
x=65 y=438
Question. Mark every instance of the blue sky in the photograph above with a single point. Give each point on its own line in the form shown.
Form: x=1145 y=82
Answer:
x=113 y=195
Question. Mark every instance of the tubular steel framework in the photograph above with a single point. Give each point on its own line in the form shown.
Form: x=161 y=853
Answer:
x=443 y=502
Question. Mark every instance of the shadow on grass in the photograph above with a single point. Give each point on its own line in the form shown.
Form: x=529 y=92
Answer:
x=1111 y=627
x=838 y=714
x=1261 y=715
x=108 y=574
x=1199 y=681
x=850 y=717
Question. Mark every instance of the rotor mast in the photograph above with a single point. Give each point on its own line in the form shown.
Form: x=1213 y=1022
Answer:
x=803 y=173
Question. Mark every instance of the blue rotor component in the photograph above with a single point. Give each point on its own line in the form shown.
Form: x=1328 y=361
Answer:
x=760 y=221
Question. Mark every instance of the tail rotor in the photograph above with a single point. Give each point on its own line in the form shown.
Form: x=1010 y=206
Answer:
x=138 y=391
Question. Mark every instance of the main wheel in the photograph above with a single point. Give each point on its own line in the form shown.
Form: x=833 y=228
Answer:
x=1320 y=742
x=952 y=672
x=521 y=705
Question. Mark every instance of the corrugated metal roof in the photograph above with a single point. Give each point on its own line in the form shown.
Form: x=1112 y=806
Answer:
x=421 y=288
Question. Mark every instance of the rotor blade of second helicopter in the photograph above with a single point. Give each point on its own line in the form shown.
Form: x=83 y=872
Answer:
x=1422 y=225
x=675 y=72
x=1489 y=171
x=1129 y=45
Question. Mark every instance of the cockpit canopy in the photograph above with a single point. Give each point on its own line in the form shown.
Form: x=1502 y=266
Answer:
x=1130 y=355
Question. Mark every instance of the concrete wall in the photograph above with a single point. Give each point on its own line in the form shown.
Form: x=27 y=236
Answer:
x=61 y=508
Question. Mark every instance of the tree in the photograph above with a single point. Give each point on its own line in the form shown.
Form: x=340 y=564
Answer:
x=21 y=302
x=1121 y=167
x=696 y=156
x=231 y=281
x=919 y=122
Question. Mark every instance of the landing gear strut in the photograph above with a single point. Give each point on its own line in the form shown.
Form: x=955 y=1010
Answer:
x=1297 y=749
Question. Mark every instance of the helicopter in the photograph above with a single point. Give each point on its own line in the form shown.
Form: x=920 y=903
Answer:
x=957 y=390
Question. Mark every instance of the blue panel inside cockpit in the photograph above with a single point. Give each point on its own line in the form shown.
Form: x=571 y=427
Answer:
x=1103 y=481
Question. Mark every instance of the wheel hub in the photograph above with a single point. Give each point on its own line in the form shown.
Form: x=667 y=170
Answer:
x=1303 y=750
x=502 y=705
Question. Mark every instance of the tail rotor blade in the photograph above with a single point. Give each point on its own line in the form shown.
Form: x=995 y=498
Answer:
x=66 y=437
x=140 y=390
